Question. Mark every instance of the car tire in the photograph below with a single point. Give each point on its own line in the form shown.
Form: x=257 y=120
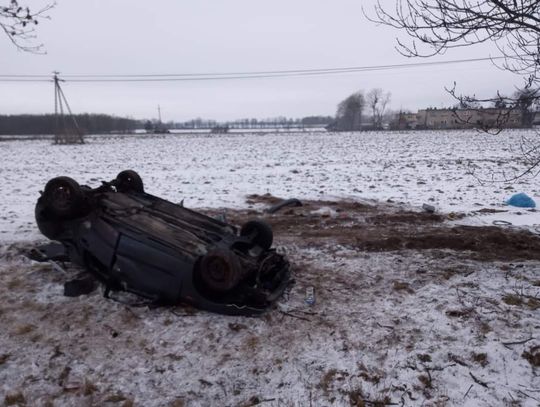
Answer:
x=220 y=270
x=129 y=181
x=63 y=197
x=260 y=231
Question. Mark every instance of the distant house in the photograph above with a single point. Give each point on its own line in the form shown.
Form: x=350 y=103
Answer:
x=434 y=118
x=469 y=118
x=404 y=121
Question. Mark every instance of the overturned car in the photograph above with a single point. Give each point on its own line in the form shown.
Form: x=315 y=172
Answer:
x=137 y=242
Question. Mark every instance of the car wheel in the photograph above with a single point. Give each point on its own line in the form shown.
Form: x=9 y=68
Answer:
x=129 y=181
x=63 y=197
x=260 y=233
x=220 y=270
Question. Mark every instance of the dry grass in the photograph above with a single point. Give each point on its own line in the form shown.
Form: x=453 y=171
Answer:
x=356 y=398
x=533 y=356
x=115 y=398
x=3 y=358
x=426 y=381
x=513 y=299
x=332 y=380
x=372 y=378
x=402 y=286
x=519 y=300
x=88 y=388
x=14 y=283
x=327 y=381
x=484 y=328
x=252 y=343
x=464 y=313
x=533 y=303
x=480 y=358
x=425 y=358
x=13 y=399
x=24 y=329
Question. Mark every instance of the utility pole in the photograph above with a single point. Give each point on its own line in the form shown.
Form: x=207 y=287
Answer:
x=62 y=133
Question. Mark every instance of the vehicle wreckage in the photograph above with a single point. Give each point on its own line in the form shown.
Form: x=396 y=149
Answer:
x=136 y=242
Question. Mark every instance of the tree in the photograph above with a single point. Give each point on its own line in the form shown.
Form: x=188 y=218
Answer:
x=18 y=22
x=349 y=112
x=526 y=101
x=317 y=120
x=499 y=102
x=377 y=100
x=148 y=126
x=436 y=26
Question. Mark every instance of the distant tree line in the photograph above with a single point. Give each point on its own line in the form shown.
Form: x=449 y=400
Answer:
x=252 y=123
x=46 y=124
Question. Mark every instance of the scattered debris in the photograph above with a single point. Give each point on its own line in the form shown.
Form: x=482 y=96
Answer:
x=490 y=210
x=521 y=200
x=501 y=223
x=478 y=381
x=310 y=296
x=428 y=208
x=289 y=202
x=80 y=286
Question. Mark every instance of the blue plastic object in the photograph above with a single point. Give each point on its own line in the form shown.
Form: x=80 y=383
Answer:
x=521 y=200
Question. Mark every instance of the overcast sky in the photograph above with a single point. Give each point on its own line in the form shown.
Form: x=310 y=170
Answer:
x=171 y=36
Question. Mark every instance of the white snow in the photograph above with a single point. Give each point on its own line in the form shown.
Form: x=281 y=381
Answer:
x=220 y=170
x=363 y=335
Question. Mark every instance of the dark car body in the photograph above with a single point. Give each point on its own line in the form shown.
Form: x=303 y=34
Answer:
x=162 y=251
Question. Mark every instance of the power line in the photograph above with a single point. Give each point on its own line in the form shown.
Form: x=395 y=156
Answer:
x=235 y=75
x=25 y=76
x=293 y=71
x=25 y=80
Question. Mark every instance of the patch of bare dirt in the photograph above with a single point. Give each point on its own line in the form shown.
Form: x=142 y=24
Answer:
x=386 y=227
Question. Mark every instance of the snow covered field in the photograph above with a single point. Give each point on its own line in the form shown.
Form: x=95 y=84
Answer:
x=411 y=309
x=220 y=170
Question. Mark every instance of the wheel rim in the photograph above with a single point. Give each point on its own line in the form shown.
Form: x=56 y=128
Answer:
x=62 y=197
x=219 y=272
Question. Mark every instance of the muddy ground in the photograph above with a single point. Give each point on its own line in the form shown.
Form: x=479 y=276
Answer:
x=410 y=310
x=384 y=228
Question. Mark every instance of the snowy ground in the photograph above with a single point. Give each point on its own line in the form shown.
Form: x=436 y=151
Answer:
x=219 y=171
x=411 y=309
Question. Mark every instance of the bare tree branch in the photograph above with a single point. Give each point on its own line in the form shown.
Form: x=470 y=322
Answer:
x=436 y=26
x=19 y=23
x=378 y=101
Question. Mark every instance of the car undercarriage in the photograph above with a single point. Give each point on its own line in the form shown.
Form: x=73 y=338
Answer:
x=137 y=242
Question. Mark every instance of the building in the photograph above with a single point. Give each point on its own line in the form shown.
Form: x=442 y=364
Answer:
x=434 y=118
x=404 y=121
